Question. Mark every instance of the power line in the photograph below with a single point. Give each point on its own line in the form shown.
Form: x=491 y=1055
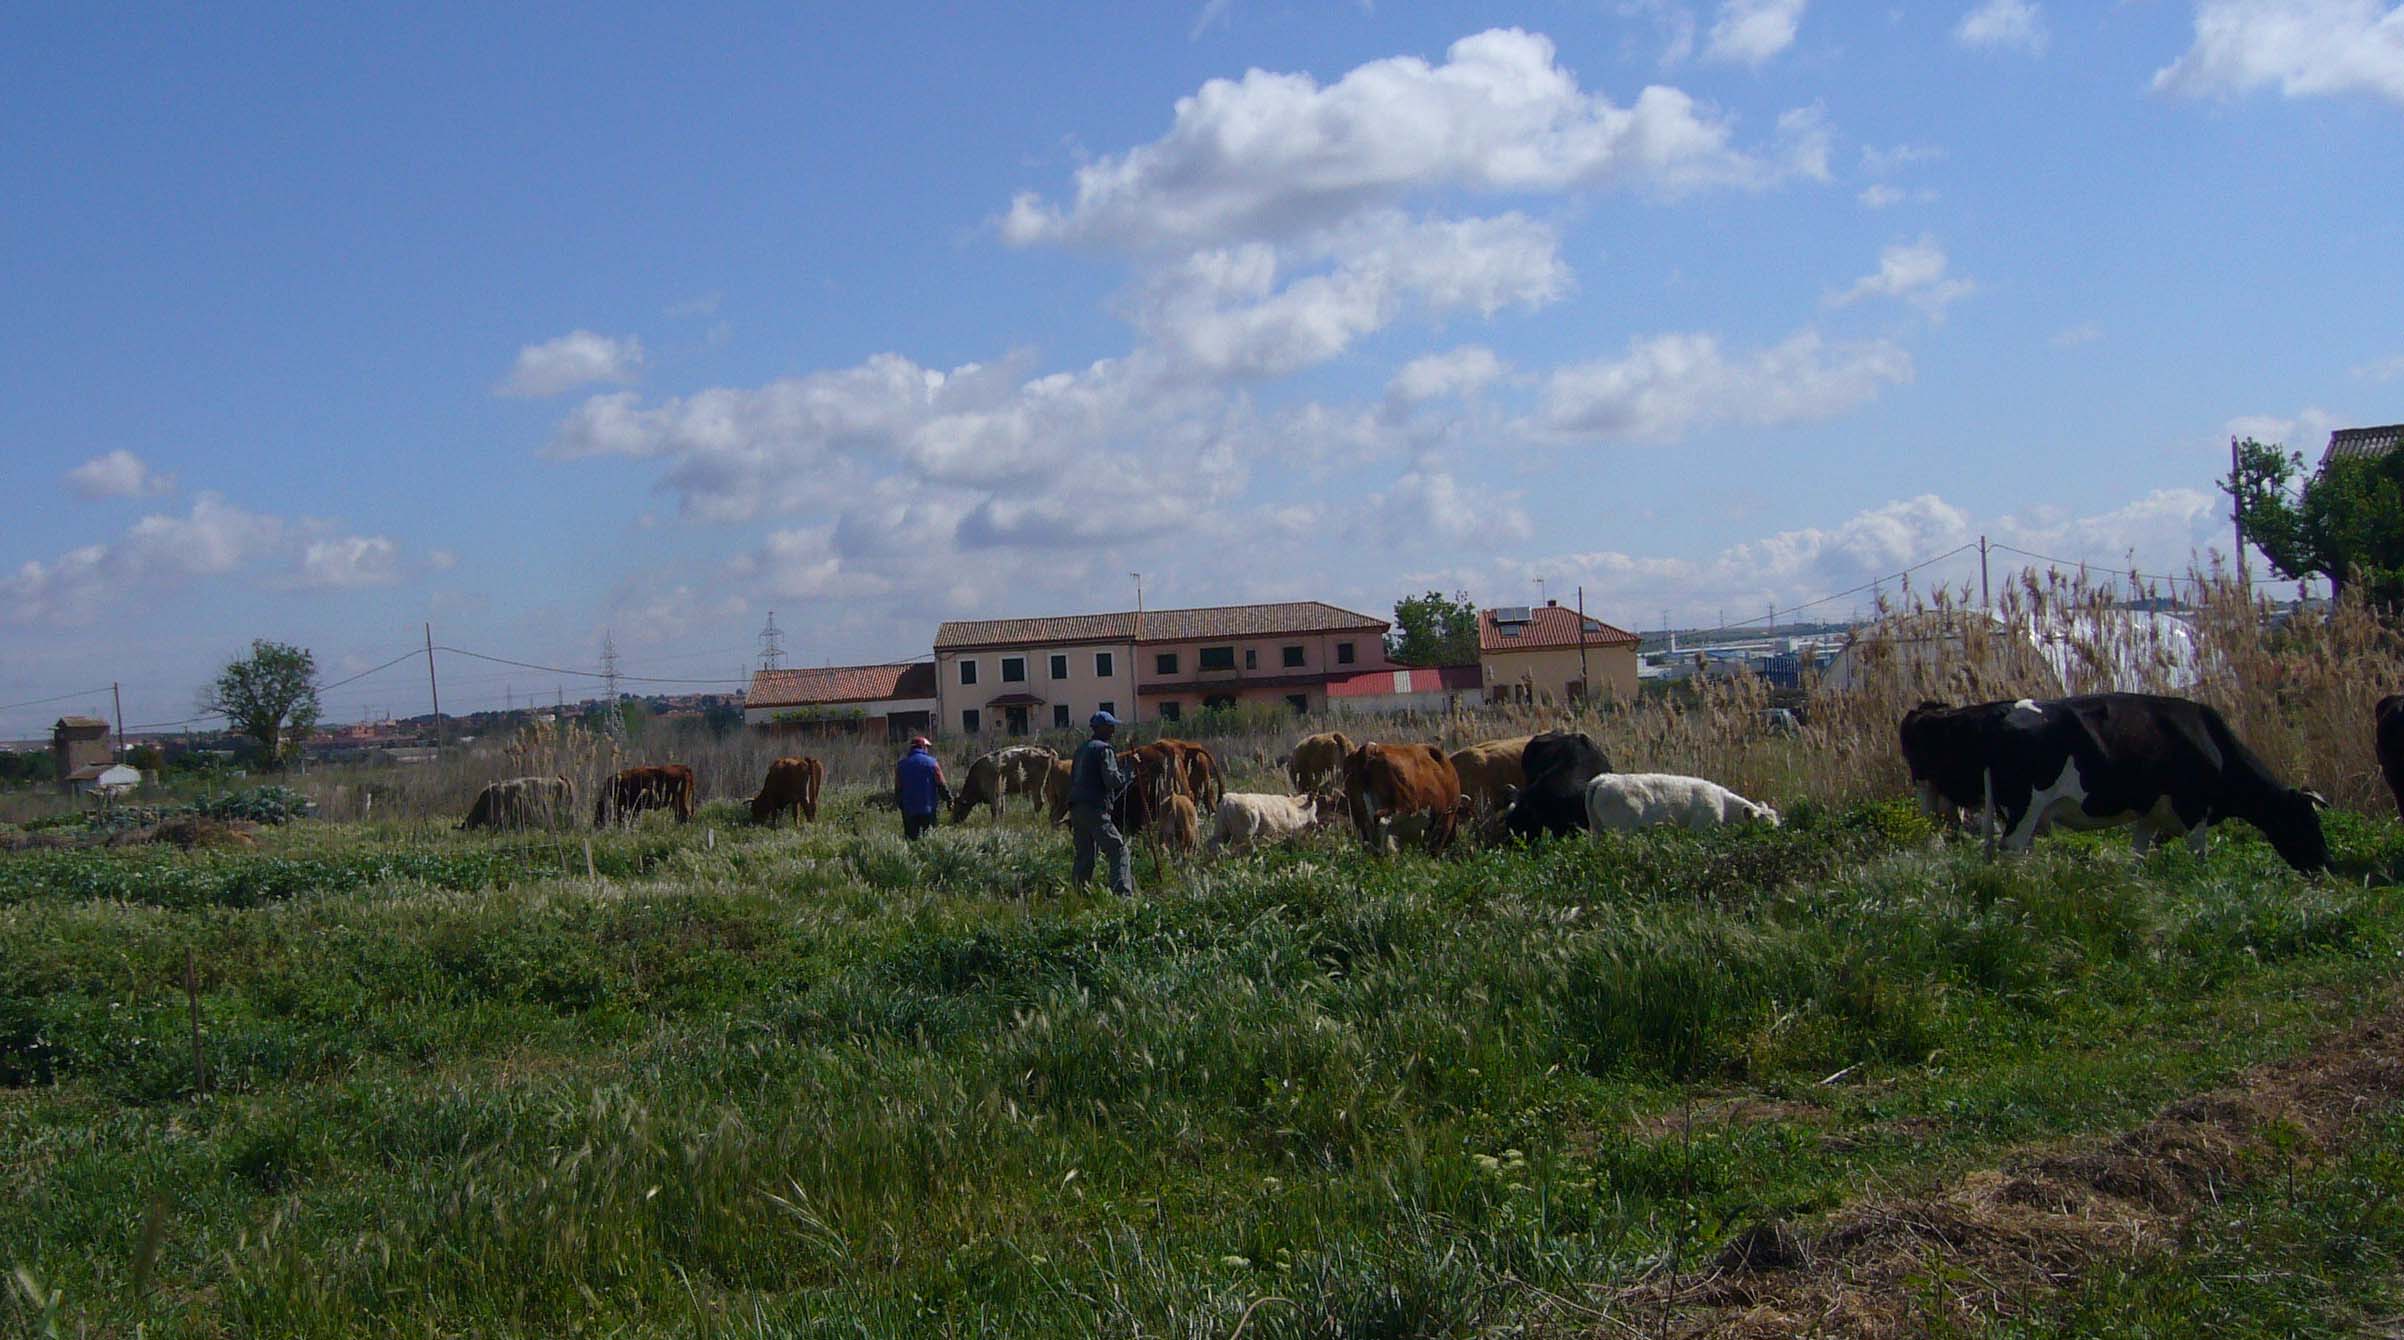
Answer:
x=37 y=702
x=1881 y=579
x=2093 y=567
x=588 y=674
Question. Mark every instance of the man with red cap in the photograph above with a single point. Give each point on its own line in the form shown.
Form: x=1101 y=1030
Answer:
x=918 y=787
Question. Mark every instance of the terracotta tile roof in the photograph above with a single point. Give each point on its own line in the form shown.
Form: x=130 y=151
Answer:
x=1411 y=679
x=841 y=684
x=2346 y=443
x=81 y=723
x=1186 y=625
x=1546 y=627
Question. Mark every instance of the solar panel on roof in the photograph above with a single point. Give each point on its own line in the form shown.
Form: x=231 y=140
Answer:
x=1512 y=614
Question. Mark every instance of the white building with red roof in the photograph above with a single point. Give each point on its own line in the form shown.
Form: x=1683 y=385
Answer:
x=897 y=699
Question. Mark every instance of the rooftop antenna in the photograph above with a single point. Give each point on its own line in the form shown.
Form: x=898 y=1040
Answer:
x=1539 y=590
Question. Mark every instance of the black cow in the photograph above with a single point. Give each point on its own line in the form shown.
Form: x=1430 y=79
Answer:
x=2390 y=742
x=1945 y=749
x=1558 y=765
x=2100 y=760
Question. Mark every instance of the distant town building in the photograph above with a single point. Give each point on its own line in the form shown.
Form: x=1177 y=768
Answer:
x=1532 y=655
x=78 y=743
x=897 y=699
x=2352 y=443
x=1016 y=676
x=1412 y=689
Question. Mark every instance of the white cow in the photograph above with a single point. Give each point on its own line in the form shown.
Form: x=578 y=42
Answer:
x=1626 y=801
x=1249 y=817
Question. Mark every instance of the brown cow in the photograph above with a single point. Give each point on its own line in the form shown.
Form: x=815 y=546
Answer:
x=1489 y=769
x=1318 y=759
x=792 y=784
x=1055 y=791
x=665 y=787
x=1413 y=783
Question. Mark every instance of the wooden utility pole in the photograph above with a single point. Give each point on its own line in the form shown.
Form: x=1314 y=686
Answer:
x=1985 y=599
x=119 y=700
x=1585 y=679
x=2237 y=515
x=433 y=689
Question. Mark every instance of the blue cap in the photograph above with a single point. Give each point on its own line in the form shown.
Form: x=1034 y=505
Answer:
x=1101 y=719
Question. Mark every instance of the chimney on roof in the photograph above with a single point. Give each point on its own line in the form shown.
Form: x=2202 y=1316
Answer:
x=1552 y=604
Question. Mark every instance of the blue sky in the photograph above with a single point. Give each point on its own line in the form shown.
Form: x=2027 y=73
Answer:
x=536 y=323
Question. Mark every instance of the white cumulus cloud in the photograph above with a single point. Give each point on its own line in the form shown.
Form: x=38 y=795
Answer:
x=1668 y=386
x=578 y=358
x=1912 y=272
x=119 y=474
x=1274 y=155
x=349 y=561
x=1455 y=372
x=2304 y=48
x=1750 y=32
x=2012 y=25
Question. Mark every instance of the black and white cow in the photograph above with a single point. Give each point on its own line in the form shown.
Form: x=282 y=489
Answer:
x=2101 y=760
x=2389 y=742
x=1945 y=749
x=1558 y=766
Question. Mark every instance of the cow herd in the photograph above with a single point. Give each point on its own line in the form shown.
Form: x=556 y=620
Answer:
x=2160 y=765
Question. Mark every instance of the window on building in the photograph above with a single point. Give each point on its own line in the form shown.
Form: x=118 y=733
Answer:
x=1014 y=669
x=1343 y=653
x=1251 y=659
x=1290 y=657
x=1216 y=658
x=1219 y=702
x=1060 y=666
x=969 y=721
x=1059 y=715
x=1103 y=667
x=1300 y=702
x=1171 y=712
x=1108 y=706
x=1165 y=663
x=968 y=672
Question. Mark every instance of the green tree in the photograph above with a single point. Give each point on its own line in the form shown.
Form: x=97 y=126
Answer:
x=270 y=696
x=2345 y=523
x=1434 y=629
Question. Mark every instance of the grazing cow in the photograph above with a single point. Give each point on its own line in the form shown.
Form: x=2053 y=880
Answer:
x=1180 y=824
x=665 y=787
x=1558 y=764
x=982 y=786
x=2390 y=742
x=1197 y=769
x=522 y=802
x=1318 y=759
x=1489 y=769
x=1055 y=791
x=2100 y=760
x=1246 y=819
x=1025 y=768
x=1943 y=749
x=791 y=784
x=1622 y=802
x=1391 y=787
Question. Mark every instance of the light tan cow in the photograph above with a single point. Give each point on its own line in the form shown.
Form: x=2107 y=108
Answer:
x=1488 y=769
x=1317 y=759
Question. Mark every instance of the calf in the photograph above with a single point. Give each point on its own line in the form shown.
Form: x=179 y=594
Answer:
x=1622 y=802
x=792 y=784
x=1180 y=824
x=1246 y=819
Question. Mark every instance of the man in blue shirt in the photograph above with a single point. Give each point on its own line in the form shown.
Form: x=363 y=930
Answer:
x=918 y=788
x=1095 y=780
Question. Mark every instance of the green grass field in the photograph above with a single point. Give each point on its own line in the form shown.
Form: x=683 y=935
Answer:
x=780 y=1083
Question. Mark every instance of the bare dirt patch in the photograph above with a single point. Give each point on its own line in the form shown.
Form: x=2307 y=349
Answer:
x=1999 y=1240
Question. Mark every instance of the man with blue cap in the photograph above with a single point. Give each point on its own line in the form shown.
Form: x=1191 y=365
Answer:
x=1095 y=780
x=918 y=787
